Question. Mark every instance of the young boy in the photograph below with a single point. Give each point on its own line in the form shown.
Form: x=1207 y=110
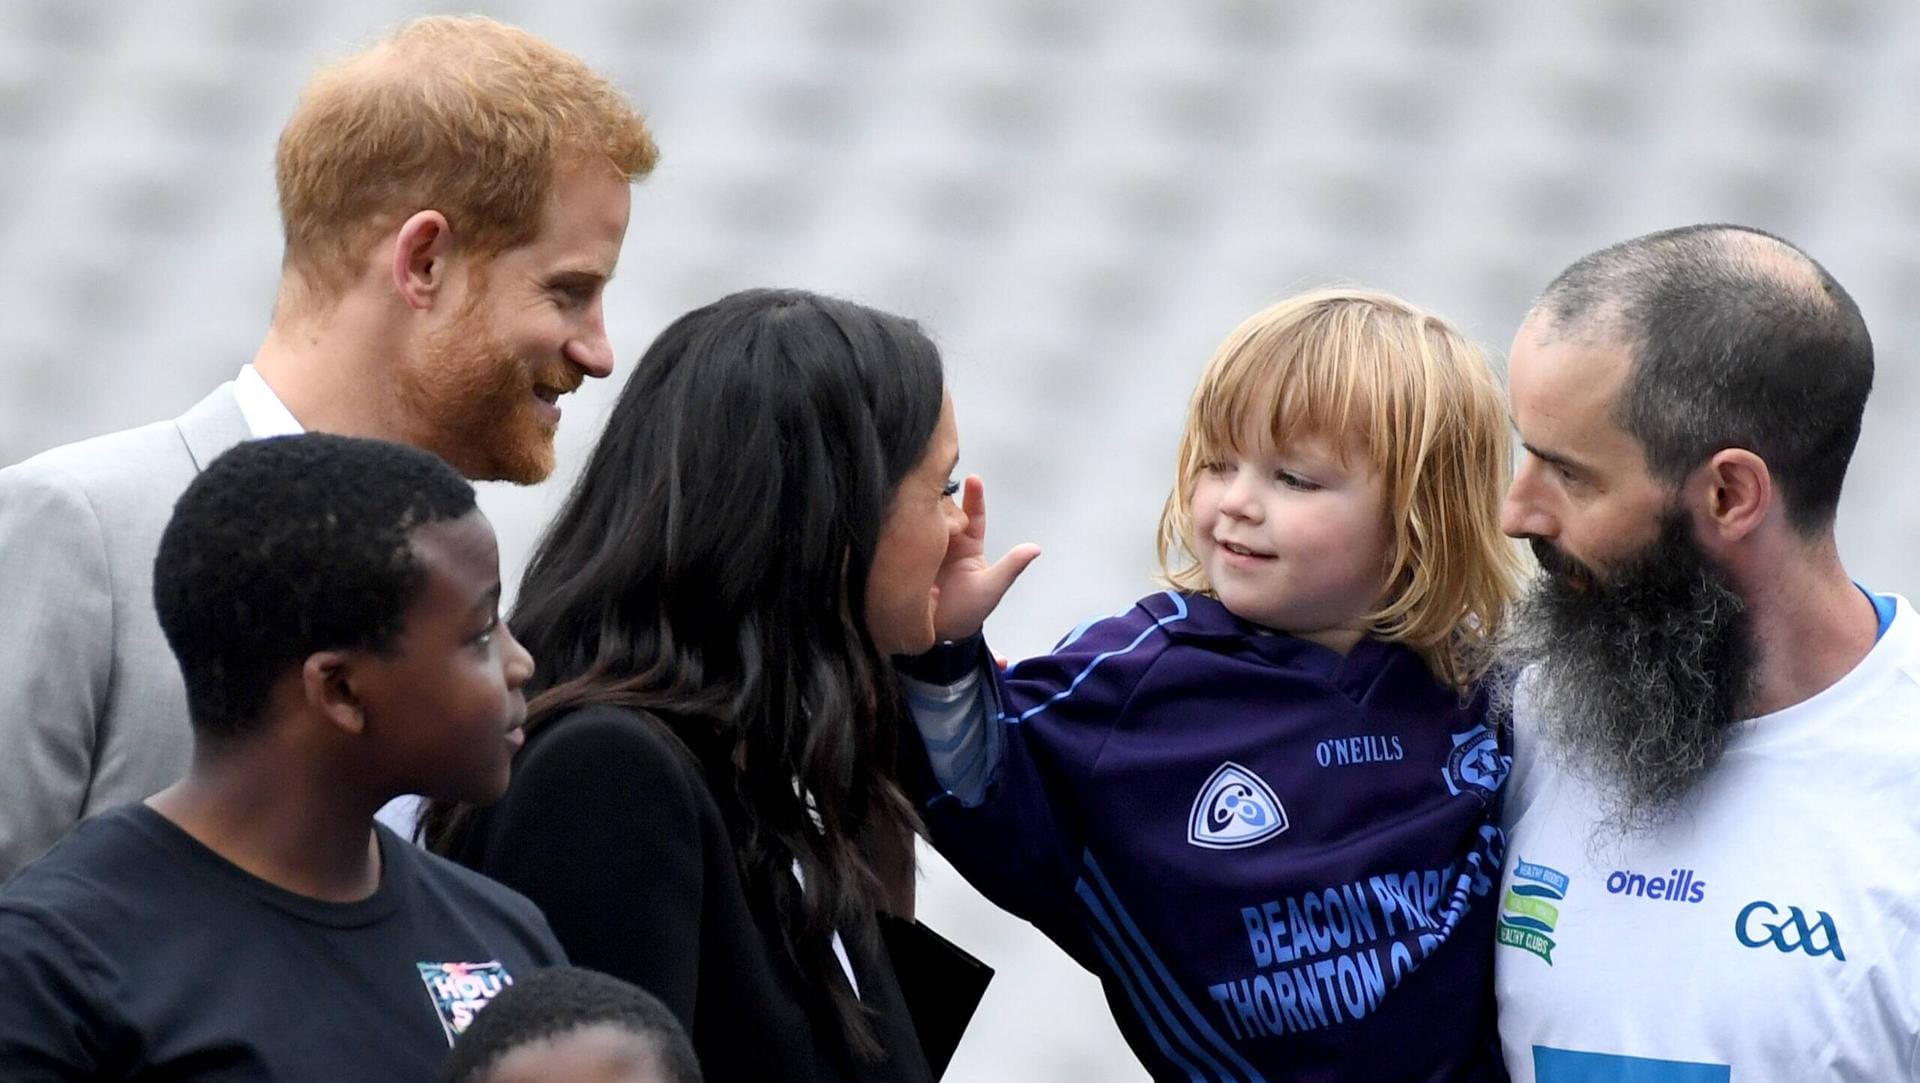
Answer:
x=569 y=1025
x=333 y=603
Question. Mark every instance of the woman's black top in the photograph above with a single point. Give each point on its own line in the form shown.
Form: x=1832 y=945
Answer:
x=622 y=833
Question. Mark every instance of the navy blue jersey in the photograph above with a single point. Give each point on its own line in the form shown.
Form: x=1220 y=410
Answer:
x=1276 y=858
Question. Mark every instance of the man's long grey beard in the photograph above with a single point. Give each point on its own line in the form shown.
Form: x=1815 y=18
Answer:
x=1635 y=675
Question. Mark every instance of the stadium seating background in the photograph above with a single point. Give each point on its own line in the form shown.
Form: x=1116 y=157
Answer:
x=1079 y=200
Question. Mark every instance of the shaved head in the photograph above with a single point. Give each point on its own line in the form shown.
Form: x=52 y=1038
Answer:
x=1607 y=296
x=1737 y=339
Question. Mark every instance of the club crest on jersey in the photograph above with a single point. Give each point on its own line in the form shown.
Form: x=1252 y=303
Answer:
x=1476 y=764
x=1235 y=808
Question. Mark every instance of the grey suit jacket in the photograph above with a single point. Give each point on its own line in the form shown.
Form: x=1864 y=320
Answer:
x=93 y=712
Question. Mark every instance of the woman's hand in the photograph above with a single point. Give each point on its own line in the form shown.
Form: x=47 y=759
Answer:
x=969 y=587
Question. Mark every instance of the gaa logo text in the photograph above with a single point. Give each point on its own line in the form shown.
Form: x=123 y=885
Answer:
x=1760 y=923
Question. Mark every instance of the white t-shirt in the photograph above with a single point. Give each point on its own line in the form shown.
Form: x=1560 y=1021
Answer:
x=1769 y=931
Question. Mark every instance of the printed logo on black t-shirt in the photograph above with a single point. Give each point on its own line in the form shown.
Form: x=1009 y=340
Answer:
x=460 y=990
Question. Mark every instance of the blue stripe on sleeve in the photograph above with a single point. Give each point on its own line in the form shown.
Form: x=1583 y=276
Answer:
x=1179 y=614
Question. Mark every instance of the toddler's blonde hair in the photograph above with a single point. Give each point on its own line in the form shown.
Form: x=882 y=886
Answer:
x=1368 y=371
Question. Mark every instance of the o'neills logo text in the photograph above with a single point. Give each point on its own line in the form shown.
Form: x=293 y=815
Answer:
x=1351 y=750
x=1678 y=885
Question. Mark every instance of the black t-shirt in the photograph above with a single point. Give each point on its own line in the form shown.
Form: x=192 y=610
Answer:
x=132 y=952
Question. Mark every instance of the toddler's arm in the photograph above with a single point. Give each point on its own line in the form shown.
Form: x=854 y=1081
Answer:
x=1010 y=758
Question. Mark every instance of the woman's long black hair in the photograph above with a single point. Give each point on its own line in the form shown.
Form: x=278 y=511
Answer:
x=710 y=566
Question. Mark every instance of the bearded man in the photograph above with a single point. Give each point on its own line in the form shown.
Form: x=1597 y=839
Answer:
x=454 y=200
x=1712 y=821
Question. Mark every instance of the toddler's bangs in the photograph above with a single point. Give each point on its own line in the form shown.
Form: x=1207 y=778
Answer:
x=1281 y=380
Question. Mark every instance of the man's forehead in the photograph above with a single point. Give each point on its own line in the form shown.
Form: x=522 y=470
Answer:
x=1569 y=365
x=582 y=225
x=1563 y=391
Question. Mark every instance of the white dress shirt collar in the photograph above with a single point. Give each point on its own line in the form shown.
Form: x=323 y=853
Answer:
x=266 y=415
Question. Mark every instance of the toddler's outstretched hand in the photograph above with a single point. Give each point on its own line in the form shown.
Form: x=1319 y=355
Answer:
x=970 y=588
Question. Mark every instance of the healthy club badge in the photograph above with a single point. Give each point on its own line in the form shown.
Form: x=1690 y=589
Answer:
x=1528 y=912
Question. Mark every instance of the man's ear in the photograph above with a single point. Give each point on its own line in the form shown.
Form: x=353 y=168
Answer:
x=420 y=251
x=1738 y=494
x=328 y=679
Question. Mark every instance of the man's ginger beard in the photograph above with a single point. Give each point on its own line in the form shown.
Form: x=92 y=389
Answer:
x=472 y=401
x=1637 y=675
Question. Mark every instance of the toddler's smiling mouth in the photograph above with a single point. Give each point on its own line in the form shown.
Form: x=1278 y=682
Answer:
x=1242 y=551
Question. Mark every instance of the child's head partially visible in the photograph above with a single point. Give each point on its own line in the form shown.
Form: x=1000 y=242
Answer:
x=575 y=1025
x=1340 y=476
x=338 y=599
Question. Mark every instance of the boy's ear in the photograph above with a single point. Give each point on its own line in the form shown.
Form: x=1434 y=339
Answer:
x=328 y=680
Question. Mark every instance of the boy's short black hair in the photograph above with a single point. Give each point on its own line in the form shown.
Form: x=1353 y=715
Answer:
x=287 y=546
x=551 y=1003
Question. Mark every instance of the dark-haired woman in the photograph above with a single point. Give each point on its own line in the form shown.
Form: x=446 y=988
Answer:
x=704 y=805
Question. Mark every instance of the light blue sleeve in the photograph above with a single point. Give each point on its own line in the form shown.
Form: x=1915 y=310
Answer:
x=958 y=724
